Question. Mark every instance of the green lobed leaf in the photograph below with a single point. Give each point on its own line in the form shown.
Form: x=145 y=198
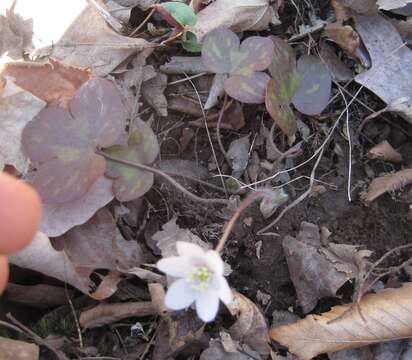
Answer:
x=61 y=143
x=190 y=43
x=314 y=91
x=180 y=12
x=248 y=89
x=222 y=53
x=131 y=183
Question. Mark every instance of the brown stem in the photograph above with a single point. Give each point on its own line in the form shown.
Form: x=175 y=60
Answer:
x=256 y=195
x=164 y=176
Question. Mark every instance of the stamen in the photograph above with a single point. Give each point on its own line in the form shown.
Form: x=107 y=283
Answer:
x=199 y=278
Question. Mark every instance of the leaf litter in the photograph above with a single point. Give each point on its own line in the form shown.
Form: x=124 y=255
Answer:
x=97 y=128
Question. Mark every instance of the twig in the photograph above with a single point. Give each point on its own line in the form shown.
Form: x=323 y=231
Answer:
x=36 y=338
x=79 y=332
x=164 y=176
x=297 y=201
x=187 y=78
x=143 y=23
x=253 y=196
x=219 y=140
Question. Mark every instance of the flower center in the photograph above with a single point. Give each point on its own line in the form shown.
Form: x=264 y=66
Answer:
x=200 y=278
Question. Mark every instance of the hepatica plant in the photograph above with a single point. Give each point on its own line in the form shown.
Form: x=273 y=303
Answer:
x=222 y=53
x=64 y=144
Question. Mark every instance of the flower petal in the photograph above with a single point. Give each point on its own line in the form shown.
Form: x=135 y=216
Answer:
x=189 y=249
x=179 y=295
x=214 y=262
x=207 y=306
x=175 y=266
x=225 y=293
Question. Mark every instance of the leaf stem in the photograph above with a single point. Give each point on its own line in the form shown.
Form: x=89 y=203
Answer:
x=250 y=199
x=164 y=176
x=219 y=140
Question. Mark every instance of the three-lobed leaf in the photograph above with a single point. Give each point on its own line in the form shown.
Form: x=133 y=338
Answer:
x=190 y=43
x=61 y=143
x=142 y=148
x=222 y=53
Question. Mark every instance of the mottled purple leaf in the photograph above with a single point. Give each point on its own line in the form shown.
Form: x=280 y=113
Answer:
x=143 y=148
x=248 y=89
x=314 y=91
x=62 y=143
x=284 y=60
x=223 y=54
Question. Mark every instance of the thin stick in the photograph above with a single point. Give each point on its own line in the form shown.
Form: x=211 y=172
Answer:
x=143 y=23
x=219 y=140
x=164 y=176
x=242 y=206
x=350 y=146
x=36 y=338
x=297 y=201
x=187 y=78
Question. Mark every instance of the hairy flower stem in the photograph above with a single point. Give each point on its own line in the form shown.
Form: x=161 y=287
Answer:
x=250 y=199
x=164 y=176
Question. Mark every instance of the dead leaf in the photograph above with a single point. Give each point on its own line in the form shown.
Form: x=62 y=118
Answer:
x=338 y=69
x=17 y=107
x=40 y=256
x=238 y=153
x=387 y=316
x=387 y=183
x=317 y=271
x=39 y=296
x=98 y=244
x=104 y=314
x=384 y=151
x=190 y=65
x=392 y=4
x=216 y=351
x=344 y=36
x=363 y=7
x=153 y=93
x=236 y=15
x=53 y=82
x=250 y=326
x=57 y=219
x=143 y=4
x=342 y=13
x=15 y=35
x=391 y=61
x=90 y=43
x=18 y=350
x=217 y=90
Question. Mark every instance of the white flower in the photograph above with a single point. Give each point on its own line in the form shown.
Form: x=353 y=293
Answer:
x=200 y=280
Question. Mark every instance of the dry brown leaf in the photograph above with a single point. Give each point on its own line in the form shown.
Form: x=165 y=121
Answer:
x=391 y=73
x=250 y=327
x=90 y=43
x=18 y=350
x=344 y=36
x=57 y=219
x=98 y=244
x=384 y=151
x=104 y=314
x=390 y=182
x=51 y=82
x=17 y=108
x=153 y=93
x=190 y=65
x=216 y=351
x=339 y=70
x=342 y=13
x=318 y=271
x=388 y=316
x=363 y=7
x=236 y=15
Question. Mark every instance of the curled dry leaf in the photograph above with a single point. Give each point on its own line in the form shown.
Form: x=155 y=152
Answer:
x=62 y=144
x=17 y=108
x=236 y=15
x=53 y=82
x=153 y=92
x=250 y=327
x=344 y=35
x=89 y=42
x=384 y=317
x=384 y=151
x=387 y=183
x=238 y=153
x=190 y=65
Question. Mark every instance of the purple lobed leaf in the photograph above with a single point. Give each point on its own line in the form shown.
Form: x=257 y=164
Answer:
x=248 y=89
